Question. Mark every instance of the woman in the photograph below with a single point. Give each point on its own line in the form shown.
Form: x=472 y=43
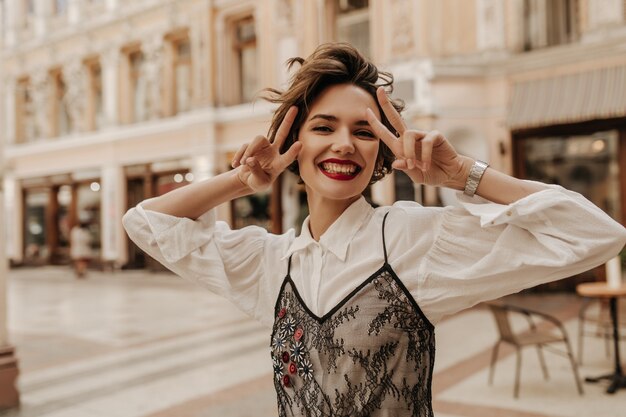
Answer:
x=353 y=300
x=80 y=248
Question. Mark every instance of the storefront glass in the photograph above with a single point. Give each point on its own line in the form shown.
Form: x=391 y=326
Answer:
x=88 y=209
x=252 y=210
x=586 y=164
x=35 y=248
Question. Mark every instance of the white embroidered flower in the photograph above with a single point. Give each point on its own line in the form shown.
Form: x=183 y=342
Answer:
x=305 y=369
x=278 y=342
x=287 y=327
x=297 y=352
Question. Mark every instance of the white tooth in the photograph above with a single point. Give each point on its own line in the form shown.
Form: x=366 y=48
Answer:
x=339 y=168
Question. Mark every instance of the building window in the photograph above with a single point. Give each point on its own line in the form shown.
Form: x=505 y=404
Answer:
x=95 y=106
x=587 y=164
x=550 y=23
x=61 y=122
x=352 y=24
x=25 y=126
x=245 y=47
x=182 y=75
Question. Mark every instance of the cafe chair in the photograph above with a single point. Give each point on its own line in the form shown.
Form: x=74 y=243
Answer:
x=543 y=331
x=594 y=320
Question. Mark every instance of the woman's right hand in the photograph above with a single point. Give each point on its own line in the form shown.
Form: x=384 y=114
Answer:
x=261 y=162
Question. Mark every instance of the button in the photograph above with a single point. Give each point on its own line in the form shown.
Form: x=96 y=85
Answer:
x=285 y=357
x=286 y=381
x=298 y=334
x=282 y=313
x=293 y=368
x=509 y=212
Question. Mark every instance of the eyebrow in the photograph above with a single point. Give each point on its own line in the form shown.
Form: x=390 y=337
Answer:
x=331 y=118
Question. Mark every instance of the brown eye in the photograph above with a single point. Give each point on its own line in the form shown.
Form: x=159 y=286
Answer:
x=366 y=133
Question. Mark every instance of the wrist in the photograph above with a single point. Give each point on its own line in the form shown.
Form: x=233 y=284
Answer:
x=239 y=185
x=458 y=181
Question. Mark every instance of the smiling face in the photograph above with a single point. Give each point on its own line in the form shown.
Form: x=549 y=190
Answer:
x=339 y=149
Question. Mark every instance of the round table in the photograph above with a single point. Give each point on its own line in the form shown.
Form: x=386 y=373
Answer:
x=602 y=290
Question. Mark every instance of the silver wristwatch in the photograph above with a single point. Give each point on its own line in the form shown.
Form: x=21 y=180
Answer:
x=476 y=173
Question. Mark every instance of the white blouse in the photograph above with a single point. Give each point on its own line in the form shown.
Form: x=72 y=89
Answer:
x=449 y=258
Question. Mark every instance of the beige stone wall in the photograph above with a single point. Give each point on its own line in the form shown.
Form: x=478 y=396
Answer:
x=454 y=60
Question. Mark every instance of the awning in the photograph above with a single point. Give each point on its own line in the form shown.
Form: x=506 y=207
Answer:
x=598 y=94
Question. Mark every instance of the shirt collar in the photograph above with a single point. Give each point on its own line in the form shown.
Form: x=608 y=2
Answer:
x=339 y=235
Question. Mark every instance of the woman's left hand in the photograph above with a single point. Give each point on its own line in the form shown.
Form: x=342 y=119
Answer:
x=426 y=157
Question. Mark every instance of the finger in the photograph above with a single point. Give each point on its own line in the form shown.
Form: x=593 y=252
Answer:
x=427 y=148
x=237 y=158
x=392 y=114
x=288 y=157
x=256 y=170
x=400 y=164
x=285 y=127
x=408 y=147
x=384 y=134
x=256 y=144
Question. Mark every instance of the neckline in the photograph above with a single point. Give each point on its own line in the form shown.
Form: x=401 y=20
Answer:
x=321 y=320
x=337 y=306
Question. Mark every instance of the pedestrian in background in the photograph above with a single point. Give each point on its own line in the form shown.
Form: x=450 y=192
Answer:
x=80 y=248
x=353 y=301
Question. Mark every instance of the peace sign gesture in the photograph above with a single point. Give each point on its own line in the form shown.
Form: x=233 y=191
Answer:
x=261 y=161
x=426 y=157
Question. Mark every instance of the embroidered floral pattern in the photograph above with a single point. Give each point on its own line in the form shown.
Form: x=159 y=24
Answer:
x=348 y=361
x=287 y=327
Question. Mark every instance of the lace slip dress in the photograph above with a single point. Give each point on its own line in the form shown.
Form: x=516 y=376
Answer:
x=371 y=355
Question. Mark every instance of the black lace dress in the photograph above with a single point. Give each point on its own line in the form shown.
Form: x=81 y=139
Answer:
x=371 y=355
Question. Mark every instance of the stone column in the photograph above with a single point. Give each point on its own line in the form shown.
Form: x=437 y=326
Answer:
x=491 y=35
x=9 y=395
x=152 y=72
x=43 y=12
x=286 y=42
x=113 y=196
x=74 y=74
x=218 y=95
x=197 y=61
x=74 y=11
x=9 y=110
x=2 y=26
x=14 y=15
x=110 y=85
x=13 y=215
x=40 y=93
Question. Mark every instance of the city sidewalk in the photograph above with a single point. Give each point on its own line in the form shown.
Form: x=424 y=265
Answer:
x=136 y=344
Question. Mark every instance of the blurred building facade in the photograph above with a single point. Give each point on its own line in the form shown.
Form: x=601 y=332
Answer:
x=105 y=102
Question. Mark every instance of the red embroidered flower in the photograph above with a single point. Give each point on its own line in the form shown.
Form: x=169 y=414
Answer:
x=298 y=334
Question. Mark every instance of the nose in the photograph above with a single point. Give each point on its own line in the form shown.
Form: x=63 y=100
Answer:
x=343 y=142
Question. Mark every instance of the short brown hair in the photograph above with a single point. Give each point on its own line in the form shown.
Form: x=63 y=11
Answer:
x=331 y=64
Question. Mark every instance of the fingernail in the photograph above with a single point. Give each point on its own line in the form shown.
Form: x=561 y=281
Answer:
x=409 y=163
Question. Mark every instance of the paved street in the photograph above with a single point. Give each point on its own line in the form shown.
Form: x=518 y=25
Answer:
x=136 y=344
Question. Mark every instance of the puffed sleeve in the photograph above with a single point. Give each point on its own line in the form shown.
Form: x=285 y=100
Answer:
x=483 y=251
x=231 y=263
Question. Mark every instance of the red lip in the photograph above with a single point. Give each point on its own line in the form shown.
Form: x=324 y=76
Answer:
x=340 y=176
